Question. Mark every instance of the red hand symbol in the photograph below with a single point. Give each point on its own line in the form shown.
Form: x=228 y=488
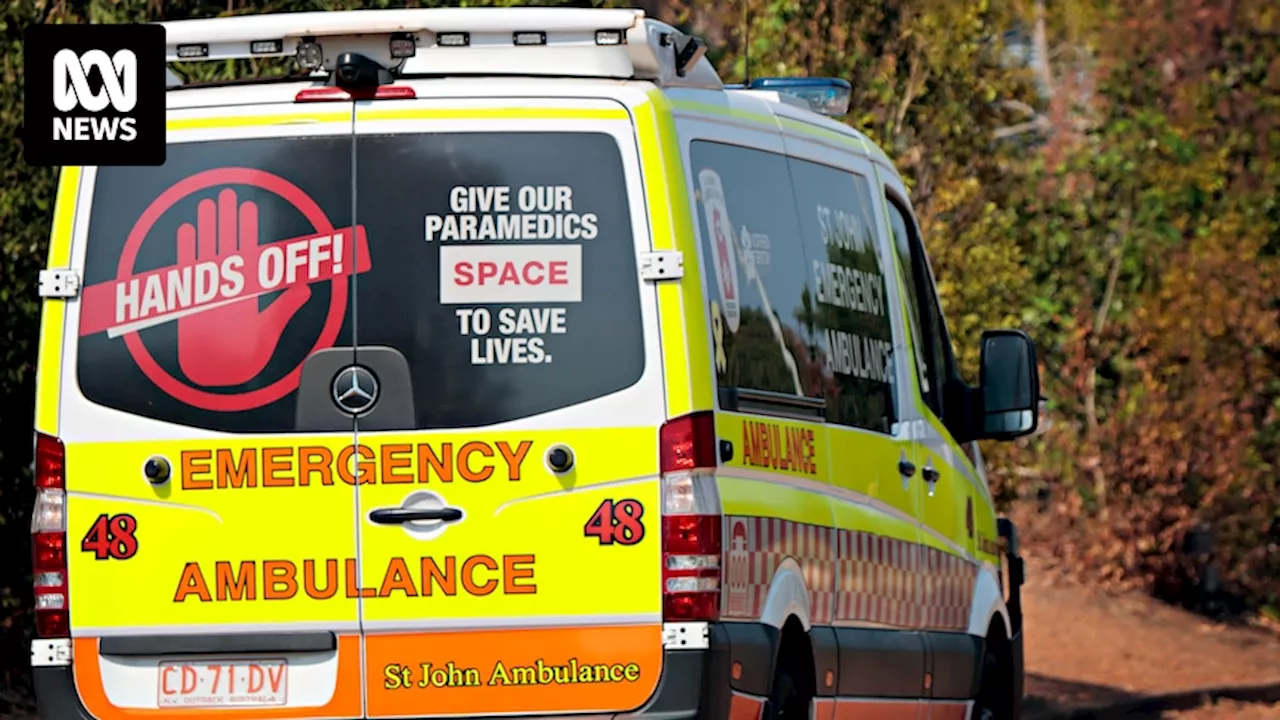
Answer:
x=229 y=345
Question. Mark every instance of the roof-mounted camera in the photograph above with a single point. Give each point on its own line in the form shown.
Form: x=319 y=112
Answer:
x=354 y=71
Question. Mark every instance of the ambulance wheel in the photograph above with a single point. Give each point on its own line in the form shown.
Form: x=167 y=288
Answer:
x=786 y=701
x=996 y=687
x=793 y=688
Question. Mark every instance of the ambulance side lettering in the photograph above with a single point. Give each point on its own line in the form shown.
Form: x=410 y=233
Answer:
x=475 y=576
x=403 y=463
x=770 y=445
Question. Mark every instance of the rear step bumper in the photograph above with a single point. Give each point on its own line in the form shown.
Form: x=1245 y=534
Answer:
x=677 y=698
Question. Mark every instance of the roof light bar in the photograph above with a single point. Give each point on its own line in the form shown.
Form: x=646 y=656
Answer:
x=609 y=37
x=266 y=47
x=622 y=43
x=193 y=51
x=529 y=38
x=825 y=96
x=453 y=39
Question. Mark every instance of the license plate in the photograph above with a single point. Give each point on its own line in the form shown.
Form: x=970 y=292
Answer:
x=236 y=683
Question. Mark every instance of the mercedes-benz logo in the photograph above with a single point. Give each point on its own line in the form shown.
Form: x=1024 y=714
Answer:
x=355 y=389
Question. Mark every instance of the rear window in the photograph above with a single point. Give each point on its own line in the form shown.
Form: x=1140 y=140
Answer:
x=500 y=266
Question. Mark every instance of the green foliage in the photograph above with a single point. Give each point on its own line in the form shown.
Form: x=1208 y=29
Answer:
x=1152 y=238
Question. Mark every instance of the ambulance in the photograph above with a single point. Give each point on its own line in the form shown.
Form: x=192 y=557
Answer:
x=505 y=362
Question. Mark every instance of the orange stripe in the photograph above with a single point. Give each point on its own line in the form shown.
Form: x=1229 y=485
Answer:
x=824 y=709
x=745 y=707
x=344 y=704
x=947 y=710
x=485 y=672
x=876 y=709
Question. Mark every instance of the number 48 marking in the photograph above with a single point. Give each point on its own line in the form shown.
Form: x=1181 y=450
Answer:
x=111 y=537
x=616 y=522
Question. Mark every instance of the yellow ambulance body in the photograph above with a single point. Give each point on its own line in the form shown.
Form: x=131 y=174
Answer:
x=316 y=436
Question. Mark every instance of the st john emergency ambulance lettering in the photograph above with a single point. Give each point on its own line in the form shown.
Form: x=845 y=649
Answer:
x=497 y=271
x=848 y=235
x=426 y=676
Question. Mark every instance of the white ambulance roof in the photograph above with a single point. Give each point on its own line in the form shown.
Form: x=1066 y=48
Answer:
x=571 y=49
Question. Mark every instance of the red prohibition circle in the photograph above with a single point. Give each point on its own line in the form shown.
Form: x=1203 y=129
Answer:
x=337 y=297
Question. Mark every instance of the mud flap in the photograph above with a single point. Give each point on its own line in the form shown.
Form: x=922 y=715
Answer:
x=56 y=696
x=1016 y=570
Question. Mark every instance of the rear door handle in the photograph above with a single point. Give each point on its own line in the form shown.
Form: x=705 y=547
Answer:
x=906 y=468
x=930 y=474
x=400 y=515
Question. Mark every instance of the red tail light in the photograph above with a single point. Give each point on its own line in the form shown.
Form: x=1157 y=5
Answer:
x=688 y=443
x=49 y=550
x=50 y=462
x=692 y=522
x=49 y=539
x=334 y=94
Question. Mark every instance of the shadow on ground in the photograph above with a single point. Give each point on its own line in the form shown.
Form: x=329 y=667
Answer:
x=1050 y=698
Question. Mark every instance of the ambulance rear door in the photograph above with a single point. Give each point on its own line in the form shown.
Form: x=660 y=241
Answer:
x=509 y=525
x=209 y=519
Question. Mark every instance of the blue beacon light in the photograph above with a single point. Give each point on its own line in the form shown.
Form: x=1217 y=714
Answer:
x=825 y=96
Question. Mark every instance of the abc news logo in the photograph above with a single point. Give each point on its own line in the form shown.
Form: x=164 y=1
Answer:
x=94 y=95
x=71 y=91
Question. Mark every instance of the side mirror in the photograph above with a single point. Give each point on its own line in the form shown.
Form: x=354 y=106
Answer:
x=1010 y=385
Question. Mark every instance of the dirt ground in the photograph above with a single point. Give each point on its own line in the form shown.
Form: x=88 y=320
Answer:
x=1091 y=654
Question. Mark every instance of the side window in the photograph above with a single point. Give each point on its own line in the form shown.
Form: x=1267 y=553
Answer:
x=848 y=310
x=755 y=271
x=928 y=328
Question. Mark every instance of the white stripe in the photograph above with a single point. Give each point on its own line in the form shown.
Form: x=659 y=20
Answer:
x=142 y=501
x=576 y=488
x=820 y=488
x=215 y=629
x=543 y=621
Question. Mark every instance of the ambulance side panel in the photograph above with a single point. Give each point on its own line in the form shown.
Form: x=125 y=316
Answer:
x=962 y=521
x=774 y=486
x=825 y=160
x=865 y=606
x=958 y=518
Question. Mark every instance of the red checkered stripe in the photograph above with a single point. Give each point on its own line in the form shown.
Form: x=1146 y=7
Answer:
x=947 y=583
x=877 y=579
x=851 y=576
x=756 y=547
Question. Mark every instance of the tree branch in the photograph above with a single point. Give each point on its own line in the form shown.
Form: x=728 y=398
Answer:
x=915 y=78
x=1041 y=124
x=1040 y=40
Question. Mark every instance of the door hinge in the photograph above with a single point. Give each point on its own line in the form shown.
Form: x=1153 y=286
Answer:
x=664 y=265
x=59 y=283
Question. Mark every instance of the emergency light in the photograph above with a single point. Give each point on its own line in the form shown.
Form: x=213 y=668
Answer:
x=825 y=96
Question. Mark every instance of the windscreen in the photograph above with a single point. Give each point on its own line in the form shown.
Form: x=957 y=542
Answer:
x=500 y=266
